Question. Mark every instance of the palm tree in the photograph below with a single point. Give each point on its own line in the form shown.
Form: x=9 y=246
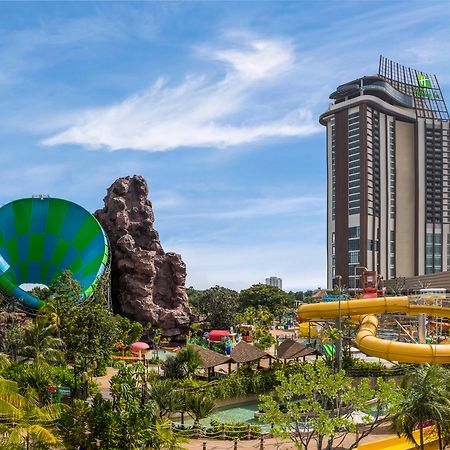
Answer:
x=26 y=421
x=169 y=439
x=427 y=398
x=189 y=359
x=198 y=406
x=167 y=399
x=41 y=344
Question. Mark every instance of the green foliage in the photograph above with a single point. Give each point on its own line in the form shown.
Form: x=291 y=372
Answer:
x=128 y=331
x=325 y=400
x=41 y=344
x=427 y=398
x=110 y=426
x=89 y=335
x=25 y=422
x=40 y=377
x=198 y=405
x=235 y=430
x=262 y=319
x=218 y=306
x=270 y=297
x=42 y=293
x=13 y=340
x=356 y=367
x=193 y=296
x=167 y=398
x=186 y=362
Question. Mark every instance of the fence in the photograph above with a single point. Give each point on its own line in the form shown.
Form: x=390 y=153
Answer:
x=224 y=432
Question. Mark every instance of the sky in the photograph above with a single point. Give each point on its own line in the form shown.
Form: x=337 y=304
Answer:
x=216 y=104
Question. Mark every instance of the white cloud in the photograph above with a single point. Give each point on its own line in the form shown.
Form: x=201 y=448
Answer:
x=250 y=208
x=198 y=112
x=263 y=58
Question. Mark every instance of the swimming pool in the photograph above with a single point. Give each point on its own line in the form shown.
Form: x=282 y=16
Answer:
x=161 y=354
x=242 y=412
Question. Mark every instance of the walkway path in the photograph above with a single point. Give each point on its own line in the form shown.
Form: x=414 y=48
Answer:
x=276 y=444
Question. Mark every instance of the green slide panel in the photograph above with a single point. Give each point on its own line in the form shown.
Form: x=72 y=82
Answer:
x=42 y=237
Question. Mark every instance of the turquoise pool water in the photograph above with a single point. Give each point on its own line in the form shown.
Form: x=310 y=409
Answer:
x=243 y=412
x=161 y=354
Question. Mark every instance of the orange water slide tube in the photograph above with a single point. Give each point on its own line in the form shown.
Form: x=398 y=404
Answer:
x=366 y=337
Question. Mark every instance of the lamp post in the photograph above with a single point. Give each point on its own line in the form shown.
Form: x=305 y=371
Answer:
x=339 y=324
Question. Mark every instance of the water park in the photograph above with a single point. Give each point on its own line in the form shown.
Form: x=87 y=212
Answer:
x=260 y=366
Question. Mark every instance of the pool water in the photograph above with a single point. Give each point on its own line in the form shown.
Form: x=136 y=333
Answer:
x=161 y=354
x=243 y=412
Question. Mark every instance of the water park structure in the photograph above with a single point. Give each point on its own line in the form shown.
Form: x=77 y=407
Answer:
x=365 y=311
x=40 y=238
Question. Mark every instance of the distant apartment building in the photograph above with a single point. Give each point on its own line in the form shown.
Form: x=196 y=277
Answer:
x=388 y=165
x=275 y=281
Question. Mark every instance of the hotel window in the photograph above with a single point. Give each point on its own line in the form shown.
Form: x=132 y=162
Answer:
x=392 y=170
x=354 y=163
x=448 y=251
x=353 y=254
x=433 y=253
x=434 y=178
x=392 y=254
x=333 y=168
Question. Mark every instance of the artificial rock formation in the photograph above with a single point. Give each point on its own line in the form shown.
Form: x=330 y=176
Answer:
x=148 y=285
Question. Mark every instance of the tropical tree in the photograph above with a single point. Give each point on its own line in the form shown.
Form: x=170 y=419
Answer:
x=169 y=439
x=184 y=364
x=271 y=297
x=166 y=397
x=189 y=359
x=13 y=340
x=316 y=404
x=198 y=406
x=27 y=422
x=128 y=331
x=41 y=344
x=262 y=320
x=218 y=306
x=427 y=399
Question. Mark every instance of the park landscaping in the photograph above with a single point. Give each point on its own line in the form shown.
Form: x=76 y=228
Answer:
x=49 y=399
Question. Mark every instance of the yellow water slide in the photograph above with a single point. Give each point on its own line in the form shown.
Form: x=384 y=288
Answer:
x=365 y=311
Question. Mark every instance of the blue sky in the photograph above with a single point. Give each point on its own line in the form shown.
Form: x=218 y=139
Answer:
x=216 y=104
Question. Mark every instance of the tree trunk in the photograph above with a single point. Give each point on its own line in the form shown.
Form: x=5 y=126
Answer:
x=319 y=442
x=438 y=426
x=421 y=435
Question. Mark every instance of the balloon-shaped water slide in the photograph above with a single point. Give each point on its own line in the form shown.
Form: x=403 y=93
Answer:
x=42 y=237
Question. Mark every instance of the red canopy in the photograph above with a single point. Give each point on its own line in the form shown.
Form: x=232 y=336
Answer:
x=216 y=335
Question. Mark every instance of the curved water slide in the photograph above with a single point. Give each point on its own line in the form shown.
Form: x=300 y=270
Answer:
x=42 y=237
x=365 y=312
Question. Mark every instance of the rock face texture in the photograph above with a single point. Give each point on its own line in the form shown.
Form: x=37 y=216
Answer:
x=148 y=285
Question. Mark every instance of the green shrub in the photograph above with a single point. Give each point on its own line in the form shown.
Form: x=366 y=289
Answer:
x=235 y=430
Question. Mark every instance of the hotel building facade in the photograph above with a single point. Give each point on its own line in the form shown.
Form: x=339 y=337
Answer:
x=388 y=165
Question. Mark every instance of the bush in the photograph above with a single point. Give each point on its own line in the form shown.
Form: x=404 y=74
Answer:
x=235 y=430
x=360 y=368
x=40 y=377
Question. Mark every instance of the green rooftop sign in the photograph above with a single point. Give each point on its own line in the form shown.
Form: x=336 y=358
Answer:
x=425 y=88
x=424 y=81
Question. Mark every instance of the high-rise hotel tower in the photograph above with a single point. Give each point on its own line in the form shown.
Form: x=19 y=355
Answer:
x=388 y=160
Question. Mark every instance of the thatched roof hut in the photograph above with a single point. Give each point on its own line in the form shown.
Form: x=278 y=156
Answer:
x=209 y=358
x=289 y=349
x=246 y=353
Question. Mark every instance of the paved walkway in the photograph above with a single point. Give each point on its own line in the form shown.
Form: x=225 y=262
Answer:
x=276 y=444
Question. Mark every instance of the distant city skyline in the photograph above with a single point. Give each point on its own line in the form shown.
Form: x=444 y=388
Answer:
x=275 y=281
x=216 y=104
